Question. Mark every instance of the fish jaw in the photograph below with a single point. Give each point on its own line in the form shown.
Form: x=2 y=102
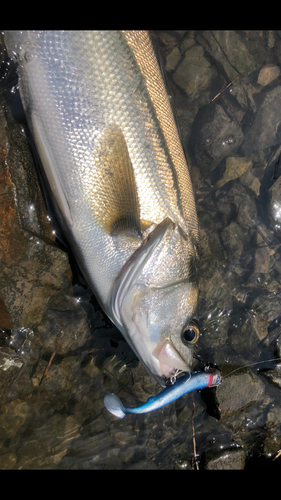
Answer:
x=170 y=360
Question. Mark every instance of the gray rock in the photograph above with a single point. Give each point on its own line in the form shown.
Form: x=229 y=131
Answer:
x=235 y=50
x=226 y=459
x=268 y=73
x=10 y=367
x=264 y=131
x=32 y=268
x=235 y=167
x=274 y=376
x=232 y=237
x=262 y=259
x=230 y=50
x=275 y=204
x=272 y=445
x=237 y=391
x=13 y=416
x=173 y=59
x=219 y=138
x=268 y=304
x=194 y=73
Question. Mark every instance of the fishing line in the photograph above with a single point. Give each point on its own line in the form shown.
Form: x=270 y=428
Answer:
x=251 y=364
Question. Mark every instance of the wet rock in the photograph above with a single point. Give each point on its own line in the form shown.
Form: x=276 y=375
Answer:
x=268 y=73
x=10 y=366
x=13 y=416
x=219 y=138
x=27 y=288
x=235 y=167
x=63 y=330
x=268 y=304
x=48 y=443
x=274 y=413
x=265 y=131
x=262 y=259
x=90 y=369
x=278 y=346
x=271 y=39
x=247 y=213
x=274 y=376
x=248 y=329
x=194 y=73
x=245 y=204
x=210 y=44
x=226 y=459
x=216 y=304
x=232 y=237
x=173 y=59
x=247 y=335
x=272 y=445
x=249 y=180
x=230 y=50
x=8 y=460
x=33 y=268
x=210 y=250
x=188 y=41
x=167 y=40
x=234 y=48
x=275 y=204
x=238 y=391
x=183 y=464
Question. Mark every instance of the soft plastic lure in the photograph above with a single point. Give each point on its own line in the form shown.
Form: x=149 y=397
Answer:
x=183 y=385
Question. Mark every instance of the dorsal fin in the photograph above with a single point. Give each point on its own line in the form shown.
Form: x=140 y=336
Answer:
x=113 y=190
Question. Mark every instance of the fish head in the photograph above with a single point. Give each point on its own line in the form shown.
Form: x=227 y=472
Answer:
x=155 y=298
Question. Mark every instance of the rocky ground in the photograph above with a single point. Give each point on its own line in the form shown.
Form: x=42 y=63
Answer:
x=225 y=88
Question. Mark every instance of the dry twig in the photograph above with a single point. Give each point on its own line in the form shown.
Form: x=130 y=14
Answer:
x=278 y=455
x=195 y=456
x=228 y=85
x=47 y=368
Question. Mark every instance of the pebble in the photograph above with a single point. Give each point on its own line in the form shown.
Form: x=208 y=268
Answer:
x=267 y=74
x=235 y=166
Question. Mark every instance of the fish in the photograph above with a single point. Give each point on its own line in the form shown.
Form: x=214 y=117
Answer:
x=183 y=385
x=101 y=120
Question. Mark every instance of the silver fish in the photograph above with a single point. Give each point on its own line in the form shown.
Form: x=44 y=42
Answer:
x=102 y=123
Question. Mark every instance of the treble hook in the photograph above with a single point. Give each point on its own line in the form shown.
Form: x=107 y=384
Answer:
x=172 y=380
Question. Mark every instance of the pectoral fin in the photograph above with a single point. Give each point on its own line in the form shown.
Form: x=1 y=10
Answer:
x=112 y=188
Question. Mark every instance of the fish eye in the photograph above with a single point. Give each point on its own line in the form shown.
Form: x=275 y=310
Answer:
x=191 y=332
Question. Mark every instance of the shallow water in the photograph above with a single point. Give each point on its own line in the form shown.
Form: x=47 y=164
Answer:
x=231 y=137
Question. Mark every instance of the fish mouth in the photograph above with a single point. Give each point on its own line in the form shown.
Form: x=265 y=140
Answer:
x=169 y=359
